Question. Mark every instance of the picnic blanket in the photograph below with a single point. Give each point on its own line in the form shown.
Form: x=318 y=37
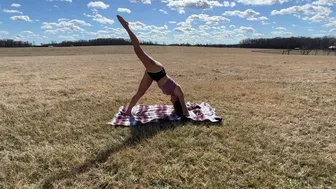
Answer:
x=143 y=114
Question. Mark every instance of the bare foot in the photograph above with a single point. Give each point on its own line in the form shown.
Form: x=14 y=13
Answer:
x=122 y=21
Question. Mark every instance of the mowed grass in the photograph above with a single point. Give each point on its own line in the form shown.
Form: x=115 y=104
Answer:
x=279 y=128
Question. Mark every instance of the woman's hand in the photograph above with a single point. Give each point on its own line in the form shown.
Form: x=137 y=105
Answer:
x=128 y=113
x=186 y=113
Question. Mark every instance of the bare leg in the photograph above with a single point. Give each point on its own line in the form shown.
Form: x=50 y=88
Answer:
x=144 y=85
x=149 y=63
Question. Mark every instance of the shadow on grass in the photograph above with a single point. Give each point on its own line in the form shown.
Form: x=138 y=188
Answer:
x=138 y=133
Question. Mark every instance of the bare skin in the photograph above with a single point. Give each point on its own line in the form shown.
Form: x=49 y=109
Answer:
x=151 y=65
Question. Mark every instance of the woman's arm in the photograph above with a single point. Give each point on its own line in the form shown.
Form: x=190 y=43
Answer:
x=180 y=95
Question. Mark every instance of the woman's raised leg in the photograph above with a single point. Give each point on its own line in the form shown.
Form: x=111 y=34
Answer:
x=150 y=64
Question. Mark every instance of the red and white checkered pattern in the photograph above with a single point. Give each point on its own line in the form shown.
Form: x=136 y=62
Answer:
x=143 y=114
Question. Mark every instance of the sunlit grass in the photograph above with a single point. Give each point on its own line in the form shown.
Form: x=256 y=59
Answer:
x=278 y=129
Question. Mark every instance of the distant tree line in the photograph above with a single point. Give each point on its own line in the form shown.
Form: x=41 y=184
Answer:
x=12 y=43
x=267 y=43
x=305 y=43
x=95 y=42
x=206 y=45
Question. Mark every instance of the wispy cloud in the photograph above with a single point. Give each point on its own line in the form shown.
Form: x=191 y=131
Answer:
x=11 y=11
x=15 y=5
x=21 y=18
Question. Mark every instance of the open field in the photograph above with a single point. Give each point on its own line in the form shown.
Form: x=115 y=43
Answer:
x=279 y=128
x=296 y=52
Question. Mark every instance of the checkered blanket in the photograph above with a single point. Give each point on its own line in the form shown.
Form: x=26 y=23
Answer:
x=143 y=114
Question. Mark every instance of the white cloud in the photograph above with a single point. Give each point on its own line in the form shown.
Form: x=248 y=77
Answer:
x=228 y=4
x=21 y=18
x=232 y=26
x=99 y=18
x=64 y=26
x=69 y=1
x=258 y=35
x=172 y=22
x=319 y=17
x=281 y=28
x=163 y=11
x=80 y=22
x=263 y=18
x=184 y=29
x=331 y=24
x=27 y=32
x=207 y=19
x=248 y=14
x=56 y=6
x=293 y=25
x=240 y=36
x=218 y=27
x=204 y=27
x=141 y=1
x=262 y=2
x=25 y=35
x=244 y=29
x=307 y=9
x=264 y=23
x=115 y=31
x=12 y=11
x=141 y=26
x=281 y=33
x=325 y=2
x=125 y=10
x=4 y=32
x=319 y=13
x=15 y=5
x=180 y=5
x=98 y=5
x=310 y=30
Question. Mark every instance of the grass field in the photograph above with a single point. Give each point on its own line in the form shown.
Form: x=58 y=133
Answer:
x=279 y=128
x=296 y=52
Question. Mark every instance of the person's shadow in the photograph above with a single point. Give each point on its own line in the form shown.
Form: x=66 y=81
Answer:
x=138 y=133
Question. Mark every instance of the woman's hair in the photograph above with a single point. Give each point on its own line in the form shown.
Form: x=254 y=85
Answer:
x=178 y=108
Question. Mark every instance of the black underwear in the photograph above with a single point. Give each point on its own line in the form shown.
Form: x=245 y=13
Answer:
x=157 y=75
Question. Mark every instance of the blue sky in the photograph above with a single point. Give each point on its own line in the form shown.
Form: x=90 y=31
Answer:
x=166 y=21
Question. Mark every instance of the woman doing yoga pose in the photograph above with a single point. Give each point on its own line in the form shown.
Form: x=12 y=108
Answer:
x=154 y=71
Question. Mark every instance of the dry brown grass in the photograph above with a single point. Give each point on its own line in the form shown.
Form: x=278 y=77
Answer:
x=279 y=128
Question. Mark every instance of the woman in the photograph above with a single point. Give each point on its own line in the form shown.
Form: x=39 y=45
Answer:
x=154 y=71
